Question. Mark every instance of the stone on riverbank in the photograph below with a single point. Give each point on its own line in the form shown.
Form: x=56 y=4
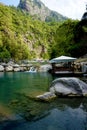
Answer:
x=16 y=69
x=1 y=68
x=9 y=68
x=45 y=68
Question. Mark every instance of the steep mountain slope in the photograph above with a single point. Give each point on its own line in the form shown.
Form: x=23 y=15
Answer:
x=37 y=9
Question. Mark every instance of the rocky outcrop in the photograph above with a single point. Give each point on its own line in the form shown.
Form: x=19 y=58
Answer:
x=37 y=9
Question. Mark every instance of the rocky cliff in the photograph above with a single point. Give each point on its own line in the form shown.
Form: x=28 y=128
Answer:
x=37 y=9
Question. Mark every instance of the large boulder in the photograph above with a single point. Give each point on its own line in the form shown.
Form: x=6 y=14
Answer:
x=69 y=87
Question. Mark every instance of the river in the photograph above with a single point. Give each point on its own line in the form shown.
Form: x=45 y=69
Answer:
x=19 y=111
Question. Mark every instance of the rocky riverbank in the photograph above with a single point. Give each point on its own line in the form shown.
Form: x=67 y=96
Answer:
x=11 y=66
x=14 y=67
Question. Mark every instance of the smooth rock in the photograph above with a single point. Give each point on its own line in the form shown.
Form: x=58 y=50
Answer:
x=69 y=87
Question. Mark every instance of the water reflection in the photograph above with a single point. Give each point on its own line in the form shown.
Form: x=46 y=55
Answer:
x=38 y=110
x=62 y=114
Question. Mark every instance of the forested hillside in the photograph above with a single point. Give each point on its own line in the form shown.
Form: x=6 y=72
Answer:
x=23 y=37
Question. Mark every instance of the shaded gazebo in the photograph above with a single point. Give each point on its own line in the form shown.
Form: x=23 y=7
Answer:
x=63 y=64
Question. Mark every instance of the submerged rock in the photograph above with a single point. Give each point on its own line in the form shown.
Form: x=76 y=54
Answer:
x=69 y=87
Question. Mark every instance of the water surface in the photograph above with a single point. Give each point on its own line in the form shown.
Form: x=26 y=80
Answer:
x=11 y=83
x=28 y=114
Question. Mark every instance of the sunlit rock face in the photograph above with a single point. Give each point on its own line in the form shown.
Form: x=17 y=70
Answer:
x=69 y=87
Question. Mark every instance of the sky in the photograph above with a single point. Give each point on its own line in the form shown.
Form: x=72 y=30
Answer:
x=73 y=9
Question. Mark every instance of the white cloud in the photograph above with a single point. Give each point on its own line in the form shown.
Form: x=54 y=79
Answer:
x=71 y=8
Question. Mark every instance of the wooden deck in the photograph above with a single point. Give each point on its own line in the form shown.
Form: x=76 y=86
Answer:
x=66 y=71
x=68 y=74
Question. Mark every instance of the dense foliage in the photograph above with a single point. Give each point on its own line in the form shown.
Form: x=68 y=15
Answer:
x=23 y=37
x=71 y=39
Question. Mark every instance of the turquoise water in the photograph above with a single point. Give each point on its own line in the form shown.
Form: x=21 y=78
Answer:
x=11 y=83
x=60 y=114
